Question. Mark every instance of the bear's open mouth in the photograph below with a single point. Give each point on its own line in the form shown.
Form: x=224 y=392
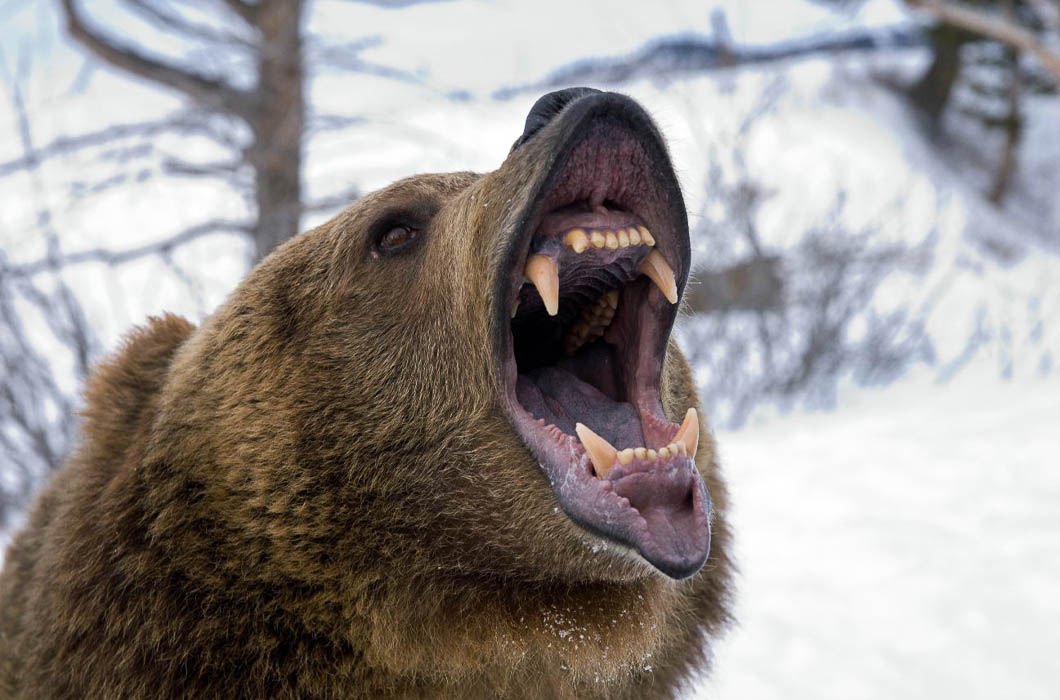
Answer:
x=591 y=298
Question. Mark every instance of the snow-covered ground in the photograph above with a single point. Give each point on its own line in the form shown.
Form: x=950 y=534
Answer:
x=906 y=545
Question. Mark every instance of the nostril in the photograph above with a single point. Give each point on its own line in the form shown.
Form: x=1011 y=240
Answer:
x=547 y=107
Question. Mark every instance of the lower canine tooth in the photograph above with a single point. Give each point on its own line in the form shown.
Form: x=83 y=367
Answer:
x=543 y=271
x=600 y=451
x=688 y=433
x=660 y=272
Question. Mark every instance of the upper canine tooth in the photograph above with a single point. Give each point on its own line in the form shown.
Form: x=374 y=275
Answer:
x=600 y=451
x=688 y=433
x=543 y=271
x=577 y=239
x=660 y=272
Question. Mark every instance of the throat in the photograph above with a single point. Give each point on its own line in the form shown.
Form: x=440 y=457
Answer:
x=586 y=388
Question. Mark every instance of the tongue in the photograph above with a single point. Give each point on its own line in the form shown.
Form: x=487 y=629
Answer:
x=677 y=530
x=561 y=396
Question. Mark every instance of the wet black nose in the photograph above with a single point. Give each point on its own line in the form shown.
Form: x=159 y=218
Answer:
x=547 y=107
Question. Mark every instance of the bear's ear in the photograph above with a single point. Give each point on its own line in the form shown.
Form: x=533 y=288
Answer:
x=547 y=107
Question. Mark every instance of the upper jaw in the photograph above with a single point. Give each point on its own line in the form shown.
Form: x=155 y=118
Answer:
x=605 y=228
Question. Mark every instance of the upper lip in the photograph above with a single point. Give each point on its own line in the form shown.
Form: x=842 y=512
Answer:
x=659 y=507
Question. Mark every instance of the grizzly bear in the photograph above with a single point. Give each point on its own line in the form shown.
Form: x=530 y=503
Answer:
x=441 y=446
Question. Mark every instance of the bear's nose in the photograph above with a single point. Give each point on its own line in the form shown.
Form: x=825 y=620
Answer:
x=547 y=107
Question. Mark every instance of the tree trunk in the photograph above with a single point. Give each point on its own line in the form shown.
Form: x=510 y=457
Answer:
x=277 y=125
x=1013 y=127
x=931 y=93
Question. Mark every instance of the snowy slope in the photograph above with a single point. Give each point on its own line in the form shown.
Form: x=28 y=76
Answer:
x=905 y=546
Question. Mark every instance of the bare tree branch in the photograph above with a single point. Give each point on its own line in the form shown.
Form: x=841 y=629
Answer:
x=210 y=93
x=113 y=257
x=992 y=27
x=65 y=145
x=172 y=165
x=174 y=23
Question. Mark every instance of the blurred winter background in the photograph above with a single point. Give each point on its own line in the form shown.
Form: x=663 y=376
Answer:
x=874 y=193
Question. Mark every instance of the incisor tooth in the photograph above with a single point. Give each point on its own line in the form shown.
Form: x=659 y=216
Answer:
x=599 y=240
x=645 y=235
x=634 y=237
x=612 y=240
x=688 y=433
x=623 y=238
x=664 y=453
x=640 y=452
x=626 y=456
x=544 y=273
x=652 y=454
x=600 y=451
x=660 y=272
x=577 y=239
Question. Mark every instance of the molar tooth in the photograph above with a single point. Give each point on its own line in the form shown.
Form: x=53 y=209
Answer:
x=543 y=271
x=600 y=451
x=623 y=238
x=660 y=272
x=634 y=236
x=612 y=240
x=688 y=433
x=640 y=453
x=626 y=456
x=598 y=239
x=577 y=239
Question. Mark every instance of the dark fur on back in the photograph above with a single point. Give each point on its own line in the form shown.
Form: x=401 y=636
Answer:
x=316 y=495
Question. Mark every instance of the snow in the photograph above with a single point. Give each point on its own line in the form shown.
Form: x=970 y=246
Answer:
x=906 y=545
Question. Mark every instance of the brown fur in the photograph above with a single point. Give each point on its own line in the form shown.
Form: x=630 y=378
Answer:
x=317 y=495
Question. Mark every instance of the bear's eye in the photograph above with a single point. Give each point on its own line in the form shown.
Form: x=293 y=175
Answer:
x=395 y=239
